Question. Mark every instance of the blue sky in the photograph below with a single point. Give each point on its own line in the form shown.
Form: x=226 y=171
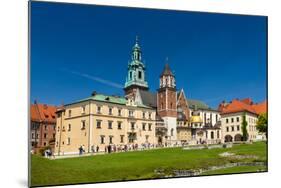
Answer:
x=76 y=49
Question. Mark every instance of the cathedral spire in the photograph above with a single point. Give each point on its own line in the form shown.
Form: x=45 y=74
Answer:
x=136 y=52
x=136 y=69
x=167 y=78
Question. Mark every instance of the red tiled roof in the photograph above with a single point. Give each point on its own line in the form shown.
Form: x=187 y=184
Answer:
x=34 y=113
x=243 y=105
x=43 y=112
x=247 y=101
x=261 y=107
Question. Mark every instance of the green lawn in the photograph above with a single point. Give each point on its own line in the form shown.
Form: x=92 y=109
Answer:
x=137 y=165
x=237 y=169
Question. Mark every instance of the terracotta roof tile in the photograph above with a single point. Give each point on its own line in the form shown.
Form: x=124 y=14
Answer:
x=261 y=107
x=43 y=112
x=243 y=105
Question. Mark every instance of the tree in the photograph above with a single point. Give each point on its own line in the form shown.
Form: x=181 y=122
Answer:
x=244 y=128
x=262 y=124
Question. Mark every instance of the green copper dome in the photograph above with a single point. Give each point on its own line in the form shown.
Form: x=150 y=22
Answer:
x=136 y=69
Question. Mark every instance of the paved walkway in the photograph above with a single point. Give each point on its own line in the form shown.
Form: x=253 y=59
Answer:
x=101 y=153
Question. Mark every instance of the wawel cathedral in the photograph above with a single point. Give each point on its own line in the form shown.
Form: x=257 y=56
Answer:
x=164 y=117
x=178 y=120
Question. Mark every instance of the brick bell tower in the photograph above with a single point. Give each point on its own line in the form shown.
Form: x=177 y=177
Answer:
x=167 y=103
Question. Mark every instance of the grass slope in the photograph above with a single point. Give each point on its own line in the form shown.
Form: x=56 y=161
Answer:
x=136 y=165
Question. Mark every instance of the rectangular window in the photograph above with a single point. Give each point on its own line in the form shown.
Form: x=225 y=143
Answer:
x=232 y=128
x=99 y=109
x=149 y=126
x=110 y=124
x=69 y=113
x=110 y=139
x=45 y=135
x=119 y=125
x=226 y=120
x=98 y=124
x=232 y=120
x=54 y=135
x=237 y=119
x=32 y=135
x=143 y=115
x=149 y=115
x=238 y=128
x=121 y=138
x=68 y=141
x=83 y=124
x=143 y=126
x=131 y=113
x=69 y=127
x=102 y=139
x=110 y=111
x=227 y=129
x=119 y=112
x=132 y=125
x=83 y=109
x=46 y=128
x=146 y=138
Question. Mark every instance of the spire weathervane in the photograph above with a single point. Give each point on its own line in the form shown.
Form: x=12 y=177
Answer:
x=137 y=39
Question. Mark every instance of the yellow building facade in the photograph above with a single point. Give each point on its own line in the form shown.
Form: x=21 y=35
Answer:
x=102 y=120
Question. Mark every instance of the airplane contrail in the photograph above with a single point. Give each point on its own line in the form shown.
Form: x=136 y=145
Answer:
x=103 y=81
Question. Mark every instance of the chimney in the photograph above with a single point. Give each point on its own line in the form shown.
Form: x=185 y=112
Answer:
x=94 y=93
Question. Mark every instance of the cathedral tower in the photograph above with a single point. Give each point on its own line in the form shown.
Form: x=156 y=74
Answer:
x=167 y=102
x=136 y=78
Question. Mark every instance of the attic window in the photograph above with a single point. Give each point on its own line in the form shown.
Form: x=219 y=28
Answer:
x=53 y=116
x=107 y=98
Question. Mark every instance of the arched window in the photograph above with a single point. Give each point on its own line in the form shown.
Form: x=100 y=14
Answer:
x=130 y=75
x=171 y=105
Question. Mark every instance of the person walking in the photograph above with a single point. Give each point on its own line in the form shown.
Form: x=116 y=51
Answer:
x=93 y=148
x=80 y=150
x=109 y=148
x=97 y=149
x=83 y=149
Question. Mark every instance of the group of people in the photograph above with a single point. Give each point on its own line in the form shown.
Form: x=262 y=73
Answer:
x=112 y=148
